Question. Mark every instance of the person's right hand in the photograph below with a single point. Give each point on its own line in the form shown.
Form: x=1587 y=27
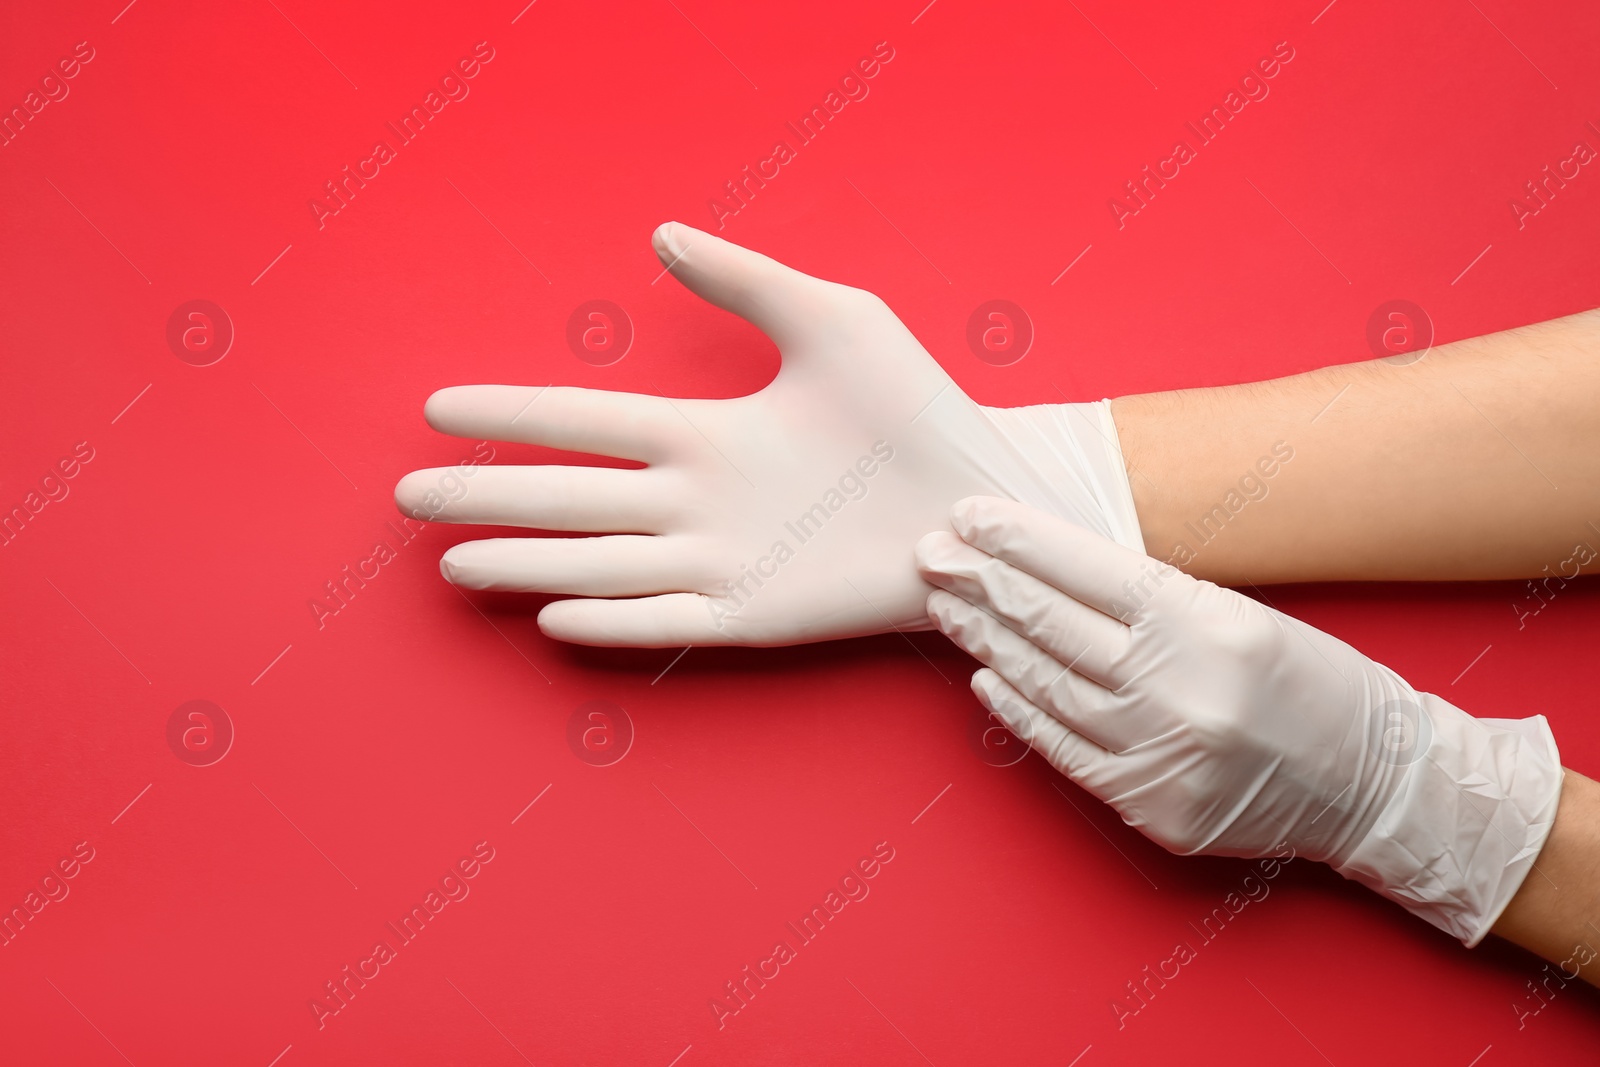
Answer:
x=777 y=518
x=1218 y=725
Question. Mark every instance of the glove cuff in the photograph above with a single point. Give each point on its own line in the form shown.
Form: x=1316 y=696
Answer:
x=1467 y=821
x=1075 y=447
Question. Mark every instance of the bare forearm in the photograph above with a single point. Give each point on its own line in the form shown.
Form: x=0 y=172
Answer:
x=1480 y=460
x=1556 y=913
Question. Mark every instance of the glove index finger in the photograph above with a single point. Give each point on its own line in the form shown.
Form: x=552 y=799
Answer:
x=1086 y=566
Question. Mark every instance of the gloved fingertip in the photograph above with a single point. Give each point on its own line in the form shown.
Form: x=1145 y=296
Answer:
x=965 y=515
x=411 y=495
x=992 y=694
x=932 y=552
x=669 y=241
x=956 y=618
x=549 y=623
x=405 y=492
x=939 y=607
x=455 y=567
x=437 y=406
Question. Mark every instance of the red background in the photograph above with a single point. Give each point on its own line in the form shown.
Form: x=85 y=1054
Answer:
x=408 y=729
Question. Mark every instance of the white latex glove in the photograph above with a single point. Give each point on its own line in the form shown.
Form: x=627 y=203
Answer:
x=777 y=518
x=1215 y=724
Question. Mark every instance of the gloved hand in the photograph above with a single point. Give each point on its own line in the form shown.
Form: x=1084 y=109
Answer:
x=777 y=518
x=1215 y=724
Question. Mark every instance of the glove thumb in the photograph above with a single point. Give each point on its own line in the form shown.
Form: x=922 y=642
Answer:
x=779 y=301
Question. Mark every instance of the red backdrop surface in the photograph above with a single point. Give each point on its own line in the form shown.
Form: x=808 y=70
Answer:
x=375 y=748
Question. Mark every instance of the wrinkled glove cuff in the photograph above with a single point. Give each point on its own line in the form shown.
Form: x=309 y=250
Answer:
x=1466 y=823
x=1075 y=448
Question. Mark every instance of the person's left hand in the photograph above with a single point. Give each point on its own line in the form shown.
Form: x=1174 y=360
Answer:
x=776 y=518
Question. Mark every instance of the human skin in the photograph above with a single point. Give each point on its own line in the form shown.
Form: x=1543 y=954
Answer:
x=1556 y=912
x=1481 y=460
